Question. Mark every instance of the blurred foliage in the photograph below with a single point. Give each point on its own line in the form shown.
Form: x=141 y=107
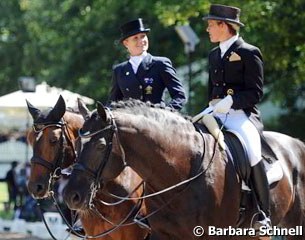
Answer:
x=291 y=124
x=5 y=214
x=73 y=44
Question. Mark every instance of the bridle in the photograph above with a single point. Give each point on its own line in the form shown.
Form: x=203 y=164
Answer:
x=108 y=132
x=112 y=127
x=55 y=166
x=96 y=175
x=111 y=130
x=55 y=169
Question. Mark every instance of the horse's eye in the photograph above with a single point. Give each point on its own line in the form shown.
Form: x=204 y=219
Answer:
x=101 y=143
x=38 y=127
x=53 y=140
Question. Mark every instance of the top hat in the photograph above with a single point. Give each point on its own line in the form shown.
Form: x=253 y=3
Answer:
x=224 y=13
x=131 y=28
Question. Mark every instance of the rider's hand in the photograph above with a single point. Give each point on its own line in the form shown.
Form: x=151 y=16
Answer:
x=224 y=105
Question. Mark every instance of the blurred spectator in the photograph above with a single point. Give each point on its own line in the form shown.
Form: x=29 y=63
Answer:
x=22 y=179
x=12 y=186
x=28 y=209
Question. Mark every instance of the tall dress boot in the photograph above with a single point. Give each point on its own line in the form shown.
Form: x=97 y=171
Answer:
x=260 y=186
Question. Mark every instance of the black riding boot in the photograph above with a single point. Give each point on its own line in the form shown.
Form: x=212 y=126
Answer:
x=260 y=186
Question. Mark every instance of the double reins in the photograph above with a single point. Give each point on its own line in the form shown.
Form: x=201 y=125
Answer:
x=111 y=129
x=53 y=167
x=98 y=174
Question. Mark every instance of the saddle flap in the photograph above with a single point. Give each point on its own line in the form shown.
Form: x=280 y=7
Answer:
x=238 y=152
x=238 y=155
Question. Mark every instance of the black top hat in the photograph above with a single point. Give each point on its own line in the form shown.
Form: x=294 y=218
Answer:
x=224 y=13
x=131 y=28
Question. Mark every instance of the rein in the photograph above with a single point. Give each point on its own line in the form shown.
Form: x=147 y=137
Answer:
x=54 y=168
x=95 y=186
x=65 y=138
x=122 y=223
x=142 y=183
x=112 y=127
x=114 y=131
x=97 y=175
x=176 y=185
x=105 y=233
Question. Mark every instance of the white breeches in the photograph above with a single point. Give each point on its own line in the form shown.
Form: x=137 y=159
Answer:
x=237 y=120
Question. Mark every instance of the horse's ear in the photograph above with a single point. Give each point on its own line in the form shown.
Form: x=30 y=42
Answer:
x=102 y=112
x=35 y=112
x=84 y=111
x=59 y=109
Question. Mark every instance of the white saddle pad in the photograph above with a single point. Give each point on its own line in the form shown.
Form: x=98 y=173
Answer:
x=274 y=173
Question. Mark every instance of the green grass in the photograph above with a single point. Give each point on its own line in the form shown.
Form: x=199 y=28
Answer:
x=4 y=198
x=3 y=193
x=6 y=214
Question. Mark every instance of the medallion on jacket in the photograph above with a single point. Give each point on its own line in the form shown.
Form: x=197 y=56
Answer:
x=149 y=88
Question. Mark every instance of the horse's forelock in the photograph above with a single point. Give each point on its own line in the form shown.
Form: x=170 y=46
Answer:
x=93 y=123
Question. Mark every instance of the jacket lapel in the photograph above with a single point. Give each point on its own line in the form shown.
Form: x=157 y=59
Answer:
x=216 y=60
x=128 y=72
x=144 y=67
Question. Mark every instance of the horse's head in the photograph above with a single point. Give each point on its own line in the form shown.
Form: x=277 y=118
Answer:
x=53 y=146
x=93 y=166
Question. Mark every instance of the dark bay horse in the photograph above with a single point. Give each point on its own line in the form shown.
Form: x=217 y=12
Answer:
x=53 y=138
x=165 y=150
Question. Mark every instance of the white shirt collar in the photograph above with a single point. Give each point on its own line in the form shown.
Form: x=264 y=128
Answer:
x=225 y=45
x=136 y=61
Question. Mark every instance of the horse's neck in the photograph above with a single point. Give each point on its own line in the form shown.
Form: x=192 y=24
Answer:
x=74 y=122
x=129 y=179
x=160 y=154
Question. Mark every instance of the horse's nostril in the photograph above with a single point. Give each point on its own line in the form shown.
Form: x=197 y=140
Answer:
x=39 y=188
x=75 y=198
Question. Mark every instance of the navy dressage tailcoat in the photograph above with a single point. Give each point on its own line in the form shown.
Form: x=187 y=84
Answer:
x=153 y=76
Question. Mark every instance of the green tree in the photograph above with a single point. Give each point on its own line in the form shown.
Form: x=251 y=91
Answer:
x=274 y=26
x=74 y=43
x=12 y=37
